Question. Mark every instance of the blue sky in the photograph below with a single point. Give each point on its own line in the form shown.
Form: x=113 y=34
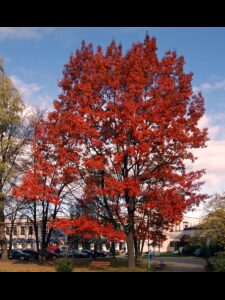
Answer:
x=37 y=55
x=34 y=59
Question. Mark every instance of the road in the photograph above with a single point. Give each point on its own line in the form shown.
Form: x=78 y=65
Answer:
x=181 y=264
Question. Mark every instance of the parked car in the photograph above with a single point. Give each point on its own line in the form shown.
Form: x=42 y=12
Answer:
x=77 y=254
x=33 y=253
x=51 y=255
x=18 y=254
x=90 y=253
x=101 y=253
x=202 y=252
x=58 y=251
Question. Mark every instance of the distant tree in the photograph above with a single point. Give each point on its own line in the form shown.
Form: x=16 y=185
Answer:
x=13 y=210
x=46 y=185
x=14 y=137
x=212 y=229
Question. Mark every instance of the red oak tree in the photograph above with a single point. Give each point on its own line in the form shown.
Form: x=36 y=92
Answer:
x=128 y=122
x=133 y=119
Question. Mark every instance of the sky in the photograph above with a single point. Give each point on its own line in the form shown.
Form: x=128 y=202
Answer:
x=35 y=56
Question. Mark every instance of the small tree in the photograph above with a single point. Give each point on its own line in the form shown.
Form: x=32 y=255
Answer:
x=211 y=232
x=46 y=185
x=14 y=137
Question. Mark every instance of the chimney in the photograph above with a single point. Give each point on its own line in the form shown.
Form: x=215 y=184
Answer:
x=1 y=66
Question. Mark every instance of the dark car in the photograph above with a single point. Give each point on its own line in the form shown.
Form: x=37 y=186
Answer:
x=202 y=252
x=101 y=253
x=77 y=254
x=33 y=253
x=18 y=254
x=90 y=253
x=51 y=255
x=59 y=252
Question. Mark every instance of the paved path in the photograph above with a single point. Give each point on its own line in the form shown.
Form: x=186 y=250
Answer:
x=182 y=264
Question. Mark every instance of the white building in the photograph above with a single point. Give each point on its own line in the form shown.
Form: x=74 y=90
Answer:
x=24 y=237
x=172 y=243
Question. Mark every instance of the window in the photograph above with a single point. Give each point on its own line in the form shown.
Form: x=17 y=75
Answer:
x=30 y=230
x=185 y=224
x=7 y=231
x=172 y=244
x=22 y=230
x=175 y=244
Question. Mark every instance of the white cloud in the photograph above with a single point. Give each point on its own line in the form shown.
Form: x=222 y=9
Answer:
x=26 y=90
x=215 y=124
x=212 y=158
x=32 y=93
x=32 y=33
x=210 y=86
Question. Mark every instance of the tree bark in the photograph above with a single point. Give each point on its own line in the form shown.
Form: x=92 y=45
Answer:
x=11 y=235
x=3 y=242
x=130 y=237
x=137 y=249
x=130 y=248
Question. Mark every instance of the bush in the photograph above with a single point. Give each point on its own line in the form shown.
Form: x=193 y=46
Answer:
x=220 y=253
x=218 y=264
x=65 y=266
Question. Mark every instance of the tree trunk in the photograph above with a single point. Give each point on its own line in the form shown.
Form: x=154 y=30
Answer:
x=142 y=246
x=130 y=233
x=130 y=238
x=43 y=245
x=137 y=249
x=11 y=236
x=130 y=248
x=3 y=242
x=37 y=240
x=113 y=249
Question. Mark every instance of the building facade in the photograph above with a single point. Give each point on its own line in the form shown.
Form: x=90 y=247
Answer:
x=187 y=227
x=23 y=236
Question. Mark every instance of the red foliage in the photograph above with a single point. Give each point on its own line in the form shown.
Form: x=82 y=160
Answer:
x=133 y=118
x=129 y=122
x=88 y=228
x=49 y=173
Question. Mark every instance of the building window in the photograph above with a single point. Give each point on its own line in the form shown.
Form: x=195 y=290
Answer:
x=185 y=224
x=175 y=245
x=22 y=230
x=7 y=231
x=30 y=230
x=172 y=244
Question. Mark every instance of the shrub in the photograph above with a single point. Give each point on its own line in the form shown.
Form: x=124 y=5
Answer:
x=65 y=266
x=218 y=264
x=220 y=253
